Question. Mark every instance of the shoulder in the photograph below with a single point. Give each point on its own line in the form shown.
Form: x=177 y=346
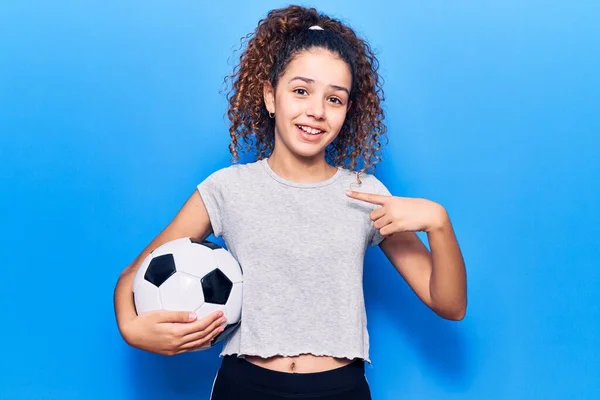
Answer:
x=234 y=172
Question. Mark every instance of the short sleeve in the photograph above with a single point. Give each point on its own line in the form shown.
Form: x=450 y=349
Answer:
x=378 y=188
x=211 y=192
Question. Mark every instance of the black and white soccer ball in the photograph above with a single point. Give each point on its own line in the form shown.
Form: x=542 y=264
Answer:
x=188 y=275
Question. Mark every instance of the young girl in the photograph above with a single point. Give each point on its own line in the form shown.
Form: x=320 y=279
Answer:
x=306 y=97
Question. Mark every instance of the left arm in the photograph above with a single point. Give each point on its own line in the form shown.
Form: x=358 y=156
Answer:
x=438 y=277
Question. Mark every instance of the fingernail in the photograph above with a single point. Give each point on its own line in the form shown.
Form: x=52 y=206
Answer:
x=348 y=192
x=219 y=314
x=192 y=316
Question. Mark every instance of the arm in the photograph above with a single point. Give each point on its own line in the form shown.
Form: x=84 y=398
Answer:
x=438 y=277
x=192 y=220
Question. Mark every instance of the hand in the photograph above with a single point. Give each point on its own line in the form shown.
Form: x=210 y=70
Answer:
x=402 y=214
x=172 y=332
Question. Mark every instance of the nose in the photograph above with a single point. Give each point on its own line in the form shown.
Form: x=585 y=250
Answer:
x=316 y=109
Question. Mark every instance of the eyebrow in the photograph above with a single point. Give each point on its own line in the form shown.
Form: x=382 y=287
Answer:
x=308 y=80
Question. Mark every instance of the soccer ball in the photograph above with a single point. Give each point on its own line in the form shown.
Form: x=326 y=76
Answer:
x=188 y=275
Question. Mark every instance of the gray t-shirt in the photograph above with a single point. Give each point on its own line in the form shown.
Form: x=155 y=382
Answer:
x=301 y=247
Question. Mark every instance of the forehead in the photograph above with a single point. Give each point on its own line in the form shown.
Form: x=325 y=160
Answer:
x=321 y=65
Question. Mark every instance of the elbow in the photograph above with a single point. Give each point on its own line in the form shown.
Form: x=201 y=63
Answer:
x=452 y=313
x=456 y=315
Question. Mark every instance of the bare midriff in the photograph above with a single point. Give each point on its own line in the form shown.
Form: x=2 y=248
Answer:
x=303 y=363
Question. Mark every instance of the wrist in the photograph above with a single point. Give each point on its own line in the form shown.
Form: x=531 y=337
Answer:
x=440 y=220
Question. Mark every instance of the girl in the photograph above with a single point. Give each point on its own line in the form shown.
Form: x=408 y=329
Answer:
x=307 y=97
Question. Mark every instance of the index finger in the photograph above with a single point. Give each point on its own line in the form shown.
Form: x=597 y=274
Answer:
x=200 y=324
x=204 y=325
x=368 y=197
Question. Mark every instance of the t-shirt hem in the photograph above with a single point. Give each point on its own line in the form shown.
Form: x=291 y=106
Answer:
x=262 y=354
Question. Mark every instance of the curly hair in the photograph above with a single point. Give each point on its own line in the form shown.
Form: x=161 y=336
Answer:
x=277 y=39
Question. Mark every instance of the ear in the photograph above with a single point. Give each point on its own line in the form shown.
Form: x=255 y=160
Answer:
x=269 y=96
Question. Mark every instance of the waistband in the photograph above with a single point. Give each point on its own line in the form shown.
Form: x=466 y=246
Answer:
x=246 y=373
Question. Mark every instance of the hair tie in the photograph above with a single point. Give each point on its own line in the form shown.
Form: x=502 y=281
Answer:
x=316 y=28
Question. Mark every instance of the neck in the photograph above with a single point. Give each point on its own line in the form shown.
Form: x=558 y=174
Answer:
x=301 y=170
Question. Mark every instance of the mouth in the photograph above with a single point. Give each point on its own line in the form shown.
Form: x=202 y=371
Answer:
x=309 y=130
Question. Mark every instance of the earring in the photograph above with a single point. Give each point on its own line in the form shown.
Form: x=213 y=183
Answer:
x=271 y=115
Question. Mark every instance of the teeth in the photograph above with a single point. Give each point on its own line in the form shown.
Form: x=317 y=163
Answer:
x=310 y=130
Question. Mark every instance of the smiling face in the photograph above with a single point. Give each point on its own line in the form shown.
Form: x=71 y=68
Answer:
x=310 y=103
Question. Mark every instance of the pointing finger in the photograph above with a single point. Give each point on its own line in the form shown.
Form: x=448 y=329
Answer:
x=368 y=197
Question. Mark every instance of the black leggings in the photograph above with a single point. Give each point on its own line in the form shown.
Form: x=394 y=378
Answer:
x=238 y=379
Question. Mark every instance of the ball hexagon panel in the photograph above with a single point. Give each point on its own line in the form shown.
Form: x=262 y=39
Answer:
x=146 y=297
x=181 y=292
x=195 y=259
x=228 y=265
x=209 y=308
x=216 y=287
x=139 y=275
x=234 y=303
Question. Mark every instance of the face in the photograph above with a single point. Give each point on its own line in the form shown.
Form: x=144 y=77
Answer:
x=310 y=103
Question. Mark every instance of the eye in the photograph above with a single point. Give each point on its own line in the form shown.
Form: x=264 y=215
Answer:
x=300 y=90
x=336 y=100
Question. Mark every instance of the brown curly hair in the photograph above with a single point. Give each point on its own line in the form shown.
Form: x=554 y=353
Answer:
x=277 y=39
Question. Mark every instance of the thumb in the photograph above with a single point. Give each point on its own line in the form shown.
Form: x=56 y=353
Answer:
x=176 y=316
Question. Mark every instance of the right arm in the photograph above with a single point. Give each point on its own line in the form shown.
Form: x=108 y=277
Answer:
x=166 y=332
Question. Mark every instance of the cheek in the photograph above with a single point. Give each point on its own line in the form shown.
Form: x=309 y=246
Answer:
x=338 y=119
x=288 y=107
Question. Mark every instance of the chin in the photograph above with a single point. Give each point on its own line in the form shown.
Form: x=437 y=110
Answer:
x=308 y=153
x=303 y=149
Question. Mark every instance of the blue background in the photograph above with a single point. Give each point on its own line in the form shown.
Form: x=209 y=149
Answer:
x=110 y=114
